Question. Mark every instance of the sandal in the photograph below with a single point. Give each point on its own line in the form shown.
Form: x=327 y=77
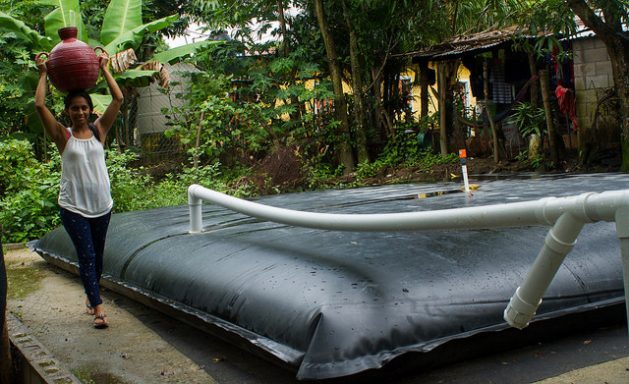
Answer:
x=100 y=321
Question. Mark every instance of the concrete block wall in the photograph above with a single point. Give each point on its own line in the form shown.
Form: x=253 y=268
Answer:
x=592 y=76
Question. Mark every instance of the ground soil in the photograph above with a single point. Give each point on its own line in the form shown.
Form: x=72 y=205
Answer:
x=282 y=171
x=50 y=303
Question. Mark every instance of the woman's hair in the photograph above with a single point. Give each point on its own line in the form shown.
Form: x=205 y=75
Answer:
x=80 y=93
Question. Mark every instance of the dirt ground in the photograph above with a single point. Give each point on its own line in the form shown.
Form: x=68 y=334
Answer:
x=50 y=303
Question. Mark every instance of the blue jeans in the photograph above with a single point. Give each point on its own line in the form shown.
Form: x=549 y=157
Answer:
x=88 y=236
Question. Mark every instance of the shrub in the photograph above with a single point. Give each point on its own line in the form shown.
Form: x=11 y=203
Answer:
x=28 y=204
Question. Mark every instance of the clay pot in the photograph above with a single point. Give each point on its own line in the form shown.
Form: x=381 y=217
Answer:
x=72 y=64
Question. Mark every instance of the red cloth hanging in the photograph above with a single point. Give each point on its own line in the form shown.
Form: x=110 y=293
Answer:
x=567 y=103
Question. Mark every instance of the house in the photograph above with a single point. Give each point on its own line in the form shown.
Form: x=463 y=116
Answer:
x=489 y=69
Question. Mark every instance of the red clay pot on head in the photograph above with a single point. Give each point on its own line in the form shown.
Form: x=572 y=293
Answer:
x=72 y=64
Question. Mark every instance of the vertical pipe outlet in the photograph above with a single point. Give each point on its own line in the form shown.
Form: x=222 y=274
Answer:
x=622 y=229
x=559 y=241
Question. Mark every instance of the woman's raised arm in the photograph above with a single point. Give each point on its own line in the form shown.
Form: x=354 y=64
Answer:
x=55 y=130
x=105 y=122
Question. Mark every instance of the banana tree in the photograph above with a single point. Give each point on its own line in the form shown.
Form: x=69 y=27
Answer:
x=122 y=30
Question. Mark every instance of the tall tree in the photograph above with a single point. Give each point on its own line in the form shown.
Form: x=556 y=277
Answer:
x=358 y=92
x=606 y=19
x=340 y=105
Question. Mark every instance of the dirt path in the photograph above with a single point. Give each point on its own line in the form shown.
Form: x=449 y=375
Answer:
x=51 y=306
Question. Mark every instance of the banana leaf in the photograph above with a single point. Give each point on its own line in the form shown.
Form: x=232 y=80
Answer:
x=135 y=77
x=121 y=16
x=133 y=38
x=100 y=103
x=66 y=14
x=174 y=55
x=21 y=30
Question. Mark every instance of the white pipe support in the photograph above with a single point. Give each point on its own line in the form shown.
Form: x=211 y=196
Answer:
x=558 y=243
x=195 y=205
x=622 y=229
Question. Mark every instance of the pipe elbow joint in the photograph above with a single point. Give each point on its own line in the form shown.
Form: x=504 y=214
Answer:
x=193 y=199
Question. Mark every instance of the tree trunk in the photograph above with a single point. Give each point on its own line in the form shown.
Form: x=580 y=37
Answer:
x=340 y=107
x=610 y=33
x=490 y=118
x=381 y=121
x=423 y=85
x=552 y=135
x=358 y=92
x=386 y=104
x=534 y=90
x=443 y=131
x=282 y=21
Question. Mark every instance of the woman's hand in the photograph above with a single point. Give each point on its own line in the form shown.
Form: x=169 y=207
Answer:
x=40 y=61
x=103 y=61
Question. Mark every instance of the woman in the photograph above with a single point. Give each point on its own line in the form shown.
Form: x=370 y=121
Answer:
x=84 y=197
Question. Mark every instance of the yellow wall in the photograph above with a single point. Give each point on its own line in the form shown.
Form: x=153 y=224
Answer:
x=463 y=75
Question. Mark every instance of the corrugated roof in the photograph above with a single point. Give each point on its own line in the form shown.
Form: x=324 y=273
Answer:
x=467 y=44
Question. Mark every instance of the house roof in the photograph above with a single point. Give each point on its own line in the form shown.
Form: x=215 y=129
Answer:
x=466 y=45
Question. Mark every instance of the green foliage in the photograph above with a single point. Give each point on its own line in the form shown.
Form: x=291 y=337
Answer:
x=406 y=145
x=128 y=186
x=529 y=119
x=29 y=192
x=28 y=198
x=132 y=189
x=16 y=77
x=365 y=169
x=535 y=162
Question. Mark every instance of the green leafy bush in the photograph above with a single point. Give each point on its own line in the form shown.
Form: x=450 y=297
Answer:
x=28 y=202
x=528 y=118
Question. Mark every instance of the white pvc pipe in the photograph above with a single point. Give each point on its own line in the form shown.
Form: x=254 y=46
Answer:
x=559 y=241
x=567 y=215
x=622 y=229
x=587 y=207
x=466 y=182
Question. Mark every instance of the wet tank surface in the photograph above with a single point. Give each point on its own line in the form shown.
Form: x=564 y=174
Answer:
x=330 y=304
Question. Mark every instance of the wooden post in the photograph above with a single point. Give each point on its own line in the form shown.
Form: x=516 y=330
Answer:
x=552 y=143
x=533 y=69
x=490 y=119
x=423 y=84
x=443 y=131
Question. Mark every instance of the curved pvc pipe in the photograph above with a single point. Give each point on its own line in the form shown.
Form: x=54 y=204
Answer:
x=544 y=211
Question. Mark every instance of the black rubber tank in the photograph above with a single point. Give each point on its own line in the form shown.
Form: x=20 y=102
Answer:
x=332 y=303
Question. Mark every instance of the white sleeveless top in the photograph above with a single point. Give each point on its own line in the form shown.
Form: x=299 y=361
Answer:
x=84 y=179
